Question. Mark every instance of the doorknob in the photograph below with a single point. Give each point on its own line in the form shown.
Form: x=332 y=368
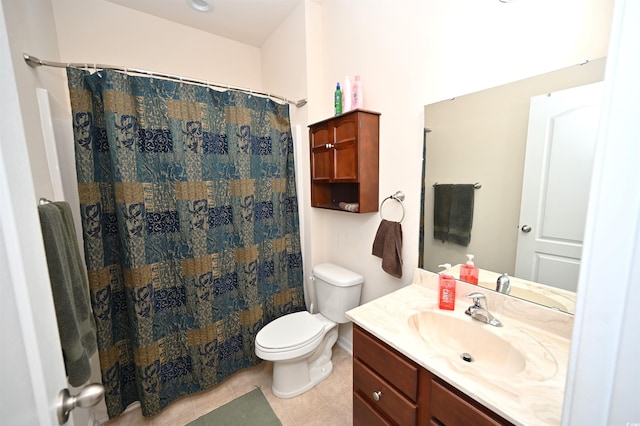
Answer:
x=89 y=396
x=526 y=229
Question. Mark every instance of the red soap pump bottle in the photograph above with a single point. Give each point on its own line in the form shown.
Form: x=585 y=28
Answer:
x=446 y=289
x=469 y=271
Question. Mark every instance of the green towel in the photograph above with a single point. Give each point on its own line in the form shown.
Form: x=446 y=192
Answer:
x=453 y=213
x=70 y=290
x=461 y=215
x=441 y=209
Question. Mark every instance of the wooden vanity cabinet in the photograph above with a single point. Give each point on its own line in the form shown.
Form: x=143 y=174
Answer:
x=345 y=160
x=390 y=389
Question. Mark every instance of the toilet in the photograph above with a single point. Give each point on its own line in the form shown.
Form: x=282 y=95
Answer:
x=300 y=344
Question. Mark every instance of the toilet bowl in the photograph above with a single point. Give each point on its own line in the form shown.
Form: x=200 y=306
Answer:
x=300 y=344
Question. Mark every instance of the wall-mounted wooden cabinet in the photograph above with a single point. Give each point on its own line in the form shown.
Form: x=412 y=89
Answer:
x=390 y=389
x=344 y=161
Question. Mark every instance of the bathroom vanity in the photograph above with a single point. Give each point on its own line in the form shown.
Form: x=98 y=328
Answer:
x=414 y=364
x=389 y=388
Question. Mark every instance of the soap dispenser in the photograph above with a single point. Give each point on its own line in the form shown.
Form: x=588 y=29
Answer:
x=469 y=271
x=446 y=289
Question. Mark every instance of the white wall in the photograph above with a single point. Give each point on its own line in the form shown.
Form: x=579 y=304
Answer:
x=32 y=30
x=381 y=44
x=284 y=68
x=107 y=33
x=417 y=52
x=472 y=45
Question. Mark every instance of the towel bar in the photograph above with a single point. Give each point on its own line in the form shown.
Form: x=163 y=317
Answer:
x=476 y=185
x=399 y=197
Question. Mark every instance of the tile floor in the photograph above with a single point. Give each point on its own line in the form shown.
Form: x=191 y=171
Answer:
x=329 y=403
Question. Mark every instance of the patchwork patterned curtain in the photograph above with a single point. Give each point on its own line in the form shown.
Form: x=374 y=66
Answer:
x=191 y=230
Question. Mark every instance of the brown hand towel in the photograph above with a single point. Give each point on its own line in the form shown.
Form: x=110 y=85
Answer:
x=388 y=245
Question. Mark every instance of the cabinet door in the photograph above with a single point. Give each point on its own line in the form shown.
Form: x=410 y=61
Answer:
x=345 y=147
x=321 y=152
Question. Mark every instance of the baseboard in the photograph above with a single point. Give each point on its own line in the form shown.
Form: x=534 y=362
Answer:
x=345 y=344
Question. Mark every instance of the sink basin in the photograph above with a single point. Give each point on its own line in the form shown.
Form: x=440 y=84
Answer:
x=467 y=341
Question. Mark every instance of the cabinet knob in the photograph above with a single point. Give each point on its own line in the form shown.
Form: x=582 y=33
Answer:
x=377 y=395
x=328 y=145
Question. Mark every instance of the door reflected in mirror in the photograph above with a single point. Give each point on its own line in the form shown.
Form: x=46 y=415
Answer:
x=482 y=137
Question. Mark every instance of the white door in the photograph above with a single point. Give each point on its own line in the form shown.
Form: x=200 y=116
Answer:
x=31 y=361
x=555 y=190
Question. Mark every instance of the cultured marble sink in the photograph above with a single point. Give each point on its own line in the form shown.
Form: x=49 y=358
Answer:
x=453 y=336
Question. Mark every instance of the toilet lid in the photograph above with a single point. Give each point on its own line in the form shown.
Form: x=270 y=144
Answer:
x=290 y=331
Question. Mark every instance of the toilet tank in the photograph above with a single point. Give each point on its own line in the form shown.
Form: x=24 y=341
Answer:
x=337 y=290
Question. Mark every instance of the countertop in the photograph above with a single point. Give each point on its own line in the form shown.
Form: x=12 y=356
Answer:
x=533 y=396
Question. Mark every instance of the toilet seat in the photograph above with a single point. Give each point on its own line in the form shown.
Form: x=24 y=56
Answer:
x=290 y=332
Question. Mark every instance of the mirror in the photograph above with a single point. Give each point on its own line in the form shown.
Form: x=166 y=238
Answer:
x=480 y=138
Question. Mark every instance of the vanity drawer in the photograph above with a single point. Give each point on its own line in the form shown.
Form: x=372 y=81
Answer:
x=365 y=415
x=391 y=402
x=387 y=363
x=451 y=409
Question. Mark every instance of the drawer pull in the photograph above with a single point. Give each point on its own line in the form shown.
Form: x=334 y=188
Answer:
x=377 y=395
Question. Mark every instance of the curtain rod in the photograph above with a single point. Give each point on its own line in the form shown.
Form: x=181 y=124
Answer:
x=34 y=62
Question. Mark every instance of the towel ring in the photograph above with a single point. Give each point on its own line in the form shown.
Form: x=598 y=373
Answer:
x=399 y=197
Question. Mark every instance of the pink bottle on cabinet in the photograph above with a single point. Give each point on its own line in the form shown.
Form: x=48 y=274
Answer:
x=356 y=93
x=347 y=95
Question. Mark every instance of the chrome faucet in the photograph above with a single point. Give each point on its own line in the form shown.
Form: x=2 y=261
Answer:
x=503 y=285
x=479 y=310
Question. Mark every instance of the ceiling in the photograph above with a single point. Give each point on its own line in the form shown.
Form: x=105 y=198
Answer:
x=246 y=21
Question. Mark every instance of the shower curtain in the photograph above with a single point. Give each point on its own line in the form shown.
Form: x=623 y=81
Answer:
x=191 y=233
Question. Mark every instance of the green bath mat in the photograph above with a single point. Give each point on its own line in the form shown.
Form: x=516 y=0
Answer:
x=248 y=410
